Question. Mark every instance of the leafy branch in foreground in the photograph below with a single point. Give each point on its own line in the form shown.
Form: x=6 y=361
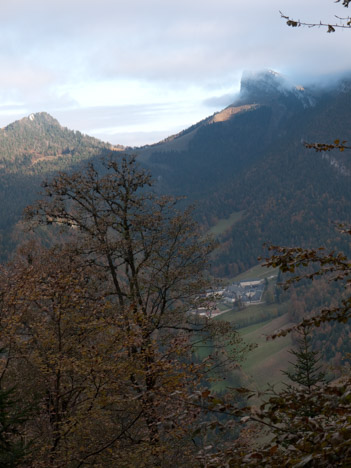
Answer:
x=311 y=429
x=322 y=147
x=307 y=424
x=310 y=420
x=344 y=23
x=335 y=266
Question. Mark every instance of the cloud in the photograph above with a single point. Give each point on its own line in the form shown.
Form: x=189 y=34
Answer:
x=120 y=124
x=49 y=49
x=157 y=40
x=220 y=101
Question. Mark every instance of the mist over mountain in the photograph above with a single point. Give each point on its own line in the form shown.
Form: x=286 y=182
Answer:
x=265 y=86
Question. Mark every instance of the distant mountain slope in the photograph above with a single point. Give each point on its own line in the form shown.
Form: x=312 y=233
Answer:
x=250 y=157
x=39 y=139
x=220 y=146
x=31 y=150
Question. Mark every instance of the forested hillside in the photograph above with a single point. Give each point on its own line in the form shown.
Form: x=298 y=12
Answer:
x=31 y=150
x=38 y=142
x=247 y=159
x=251 y=159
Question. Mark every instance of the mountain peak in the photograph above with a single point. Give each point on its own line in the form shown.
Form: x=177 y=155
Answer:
x=42 y=118
x=37 y=120
x=258 y=86
x=266 y=77
x=39 y=141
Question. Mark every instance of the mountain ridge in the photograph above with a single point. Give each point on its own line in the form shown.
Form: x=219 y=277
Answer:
x=256 y=90
x=247 y=158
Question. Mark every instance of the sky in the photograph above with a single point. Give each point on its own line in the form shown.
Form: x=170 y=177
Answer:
x=133 y=72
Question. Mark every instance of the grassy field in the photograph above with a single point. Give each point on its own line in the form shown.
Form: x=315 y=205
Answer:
x=256 y=272
x=252 y=328
x=254 y=314
x=264 y=365
x=222 y=307
x=226 y=223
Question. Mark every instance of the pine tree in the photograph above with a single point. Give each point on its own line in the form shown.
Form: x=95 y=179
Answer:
x=306 y=371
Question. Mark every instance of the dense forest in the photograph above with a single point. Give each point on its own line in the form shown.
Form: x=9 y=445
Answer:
x=105 y=361
x=251 y=161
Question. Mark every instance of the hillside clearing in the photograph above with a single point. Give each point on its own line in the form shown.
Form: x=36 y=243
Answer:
x=226 y=223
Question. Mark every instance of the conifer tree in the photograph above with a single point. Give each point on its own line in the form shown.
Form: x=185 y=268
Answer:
x=306 y=370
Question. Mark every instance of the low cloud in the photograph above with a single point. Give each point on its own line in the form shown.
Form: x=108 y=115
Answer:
x=220 y=101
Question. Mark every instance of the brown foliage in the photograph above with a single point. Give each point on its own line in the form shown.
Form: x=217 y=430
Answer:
x=99 y=329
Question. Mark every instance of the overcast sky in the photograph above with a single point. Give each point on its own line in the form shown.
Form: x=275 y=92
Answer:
x=136 y=71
